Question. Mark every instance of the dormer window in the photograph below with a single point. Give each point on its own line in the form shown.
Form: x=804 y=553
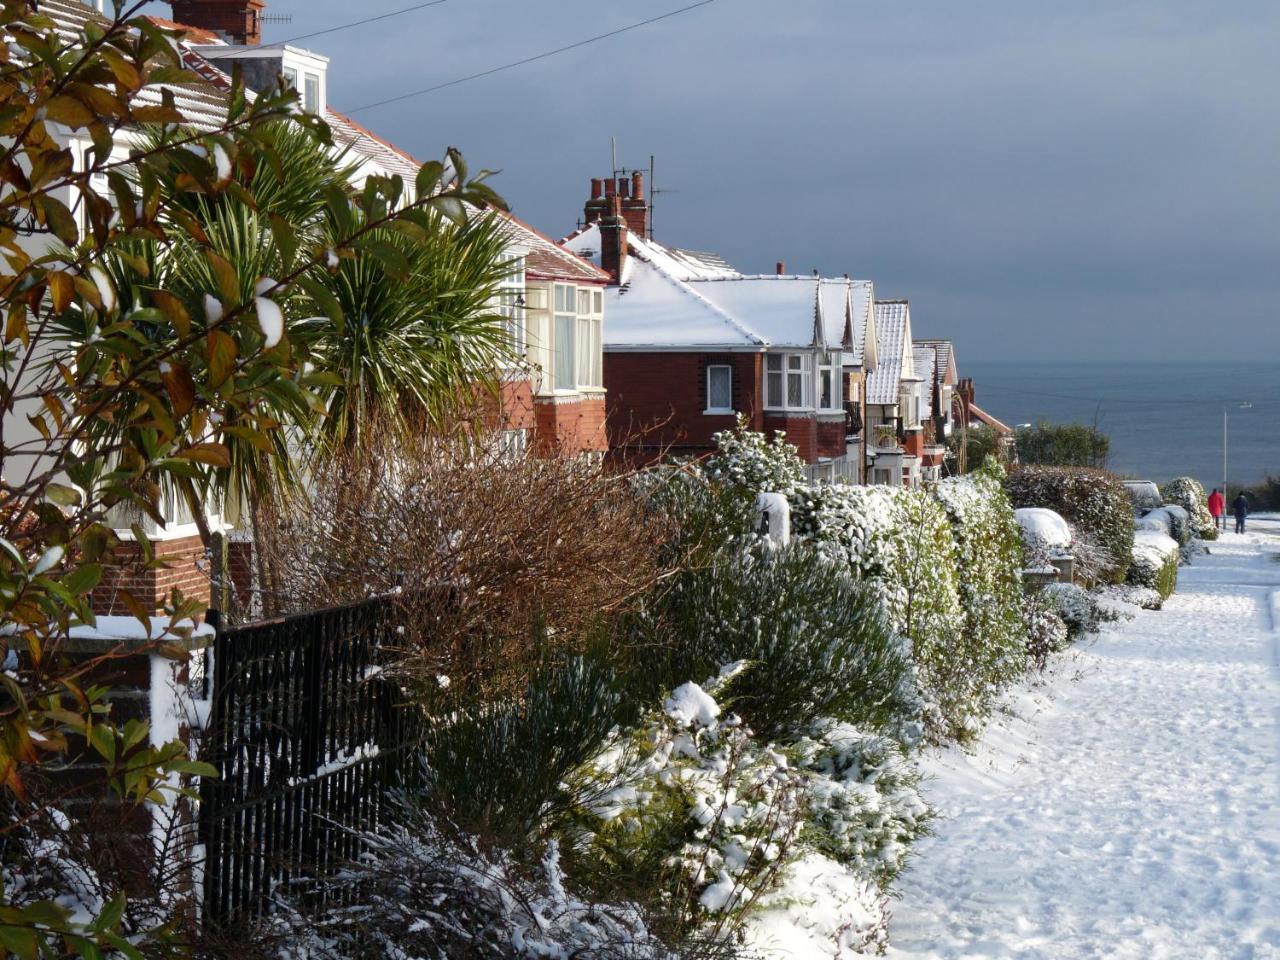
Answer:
x=311 y=93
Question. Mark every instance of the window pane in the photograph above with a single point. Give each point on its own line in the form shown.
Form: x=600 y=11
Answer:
x=584 y=352
x=565 y=379
x=794 y=361
x=774 y=390
x=719 y=388
x=795 y=390
x=312 y=96
x=599 y=298
x=824 y=382
x=774 y=361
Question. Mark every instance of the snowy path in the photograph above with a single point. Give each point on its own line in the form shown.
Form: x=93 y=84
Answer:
x=1129 y=807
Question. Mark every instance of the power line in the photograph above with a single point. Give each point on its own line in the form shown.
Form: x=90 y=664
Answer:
x=357 y=23
x=539 y=56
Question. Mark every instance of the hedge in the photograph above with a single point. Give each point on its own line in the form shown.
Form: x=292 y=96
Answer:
x=1187 y=493
x=1092 y=500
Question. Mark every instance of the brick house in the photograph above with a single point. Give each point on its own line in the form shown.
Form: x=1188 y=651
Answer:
x=895 y=401
x=691 y=344
x=553 y=400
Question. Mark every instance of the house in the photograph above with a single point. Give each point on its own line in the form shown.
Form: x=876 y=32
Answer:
x=552 y=399
x=692 y=344
x=896 y=397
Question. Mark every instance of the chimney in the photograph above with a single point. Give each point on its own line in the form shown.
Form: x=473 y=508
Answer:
x=629 y=193
x=782 y=268
x=635 y=208
x=613 y=241
x=239 y=20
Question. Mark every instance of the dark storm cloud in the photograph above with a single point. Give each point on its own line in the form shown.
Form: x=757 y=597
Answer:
x=1081 y=179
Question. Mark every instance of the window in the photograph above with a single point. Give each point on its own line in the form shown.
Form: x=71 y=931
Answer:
x=829 y=381
x=773 y=380
x=566 y=328
x=290 y=77
x=795 y=380
x=511 y=306
x=311 y=93
x=719 y=388
x=599 y=299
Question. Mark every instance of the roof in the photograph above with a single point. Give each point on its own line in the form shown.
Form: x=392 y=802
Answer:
x=893 y=329
x=862 y=319
x=977 y=413
x=924 y=361
x=548 y=260
x=677 y=299
x=946 y=357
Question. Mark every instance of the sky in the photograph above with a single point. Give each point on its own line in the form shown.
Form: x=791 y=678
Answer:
x=1086 y=180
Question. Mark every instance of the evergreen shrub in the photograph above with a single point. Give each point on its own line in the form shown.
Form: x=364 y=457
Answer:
x=1047 y=632
x=990 y=553
x=1187 y=493
x=1092 y=501
x=1155 y=563
x=815 y=643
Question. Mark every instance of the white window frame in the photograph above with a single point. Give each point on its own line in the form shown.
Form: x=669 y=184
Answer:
x=511 y=307
x=792 y=365
x=829 y=365
x=309 y=103
x=564 y=338
x=711 y=407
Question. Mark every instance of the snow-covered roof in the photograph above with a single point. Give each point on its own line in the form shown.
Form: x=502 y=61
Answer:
x=893 y=331
x=925 y=363
x=977 y=413
x=946 y=357
x=862 y=299
x=676 y=299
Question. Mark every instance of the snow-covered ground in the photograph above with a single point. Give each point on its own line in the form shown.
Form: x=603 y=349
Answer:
x=1128 y=806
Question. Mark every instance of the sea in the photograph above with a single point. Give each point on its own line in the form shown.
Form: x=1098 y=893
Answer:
x=1164 y=419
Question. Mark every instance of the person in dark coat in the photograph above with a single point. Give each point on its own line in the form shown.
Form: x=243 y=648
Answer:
x=1240 y=507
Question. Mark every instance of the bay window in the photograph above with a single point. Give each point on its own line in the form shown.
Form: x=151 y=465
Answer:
x=829 y=382
x=578 y=336
x=786 y=381
x=511 y=306
x=566 y=329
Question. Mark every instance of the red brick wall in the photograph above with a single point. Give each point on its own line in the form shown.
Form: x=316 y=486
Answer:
x=801 y=430
x=656 y=400
x=567 y=428
x=915 y=443
x=185 y=568
x=830 y=436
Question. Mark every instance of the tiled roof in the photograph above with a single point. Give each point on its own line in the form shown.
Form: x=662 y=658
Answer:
x=862 y=299
x=925 y=362
x=977 y=413
x=946 y=355
x=366 y=144
x=893 y=328
x=548 y=260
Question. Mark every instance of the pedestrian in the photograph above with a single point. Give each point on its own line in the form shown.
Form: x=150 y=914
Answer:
x=1240 y=507
x=1218 y=509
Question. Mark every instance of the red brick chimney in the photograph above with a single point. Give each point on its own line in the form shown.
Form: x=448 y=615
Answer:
x=782 y=268
x=239 y=20
x=613 y=240
x=629 y=192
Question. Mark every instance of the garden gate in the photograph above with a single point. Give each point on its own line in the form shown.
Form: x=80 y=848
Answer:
x=307 y=736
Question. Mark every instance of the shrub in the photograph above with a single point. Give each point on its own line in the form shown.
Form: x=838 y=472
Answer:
x=816 y=643
x=1155 y=563
x=1144 y=495
x=865 y=808
x=977 y=444
x=1080 y=610
x=690 y=812
x=1092 y=501
x=1046 y=630
x=1145 y=598
x=989 y=547
x=900 y=542
x=753 y=463
x=1171 y=520
x=1187 y=493
x=497 y=768
x=1063 y=445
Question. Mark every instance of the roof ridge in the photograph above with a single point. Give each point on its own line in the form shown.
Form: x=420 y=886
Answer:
x=684 y=287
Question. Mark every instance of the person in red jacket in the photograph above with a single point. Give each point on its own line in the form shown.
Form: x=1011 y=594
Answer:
x=1218 y=509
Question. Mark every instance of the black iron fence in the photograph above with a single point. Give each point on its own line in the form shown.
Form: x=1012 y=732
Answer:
x=307 y=735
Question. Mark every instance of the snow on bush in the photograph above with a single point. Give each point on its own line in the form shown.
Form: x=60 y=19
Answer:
x=1172 y=521
x=1042 y=527
x=1187 y=493
x=693 y=808
x=1082 y=611
x=1046 y=630
x=1144 y=598
x=989 y=552
x=1144 y=495
x=1155 y=562
x=900 y=541
x=750 y=461
x=865 y=808
x=423 y=891
x=1094 y=502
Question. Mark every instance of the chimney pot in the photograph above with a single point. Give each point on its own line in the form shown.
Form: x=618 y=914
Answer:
x=597 y=189
x=610 y=187
x=782 y=267
x=624 y=188
x=613 y=240
x=637 y=185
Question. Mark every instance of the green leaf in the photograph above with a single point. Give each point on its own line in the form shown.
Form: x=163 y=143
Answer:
x=63 y=495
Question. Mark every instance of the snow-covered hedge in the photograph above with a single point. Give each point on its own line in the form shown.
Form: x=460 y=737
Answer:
x=1043 y=529
x=1170 y=520
x=1187 y=493
x=989 y=551
x=1094 y=502
x=751 y=462
x=1155 y=562
x=1144 y=495
x=900 y=541
x=1081 y=610
x=1046 y=630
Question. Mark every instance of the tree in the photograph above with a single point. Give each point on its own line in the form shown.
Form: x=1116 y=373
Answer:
x=183 y=353
x=1063 y=445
